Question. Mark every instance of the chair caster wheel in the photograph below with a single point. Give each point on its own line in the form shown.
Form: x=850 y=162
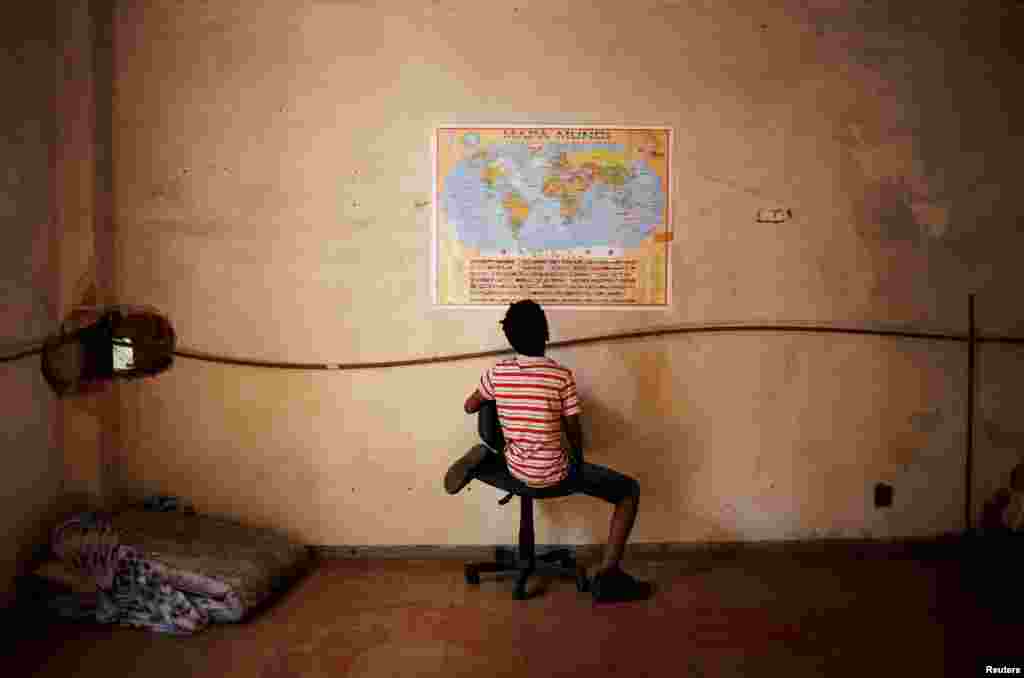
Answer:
x=519 y=592
x=582 y=583
x=472 y=575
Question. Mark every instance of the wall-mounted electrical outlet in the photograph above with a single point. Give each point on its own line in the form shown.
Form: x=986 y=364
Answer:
x=774 y=215
x=883 y=495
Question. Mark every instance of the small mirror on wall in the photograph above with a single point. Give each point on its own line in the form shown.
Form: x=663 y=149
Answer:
x=97 y=345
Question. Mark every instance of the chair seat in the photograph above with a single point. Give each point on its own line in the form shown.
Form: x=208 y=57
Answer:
x=493 y=471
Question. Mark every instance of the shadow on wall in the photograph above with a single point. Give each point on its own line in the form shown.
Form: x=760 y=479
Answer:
x=581 y=519
x=613 y=440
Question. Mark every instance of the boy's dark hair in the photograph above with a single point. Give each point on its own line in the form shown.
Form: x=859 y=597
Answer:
x=526 y=327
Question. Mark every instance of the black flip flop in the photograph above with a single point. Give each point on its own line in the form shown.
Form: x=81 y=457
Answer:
x=619 y=587
x=461 y=472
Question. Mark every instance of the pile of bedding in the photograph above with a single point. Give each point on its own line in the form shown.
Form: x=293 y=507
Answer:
x=166 y=571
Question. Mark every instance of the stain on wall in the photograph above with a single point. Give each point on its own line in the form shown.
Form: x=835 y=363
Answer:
x=926 y=422
x=891 y=211
x=837 y=112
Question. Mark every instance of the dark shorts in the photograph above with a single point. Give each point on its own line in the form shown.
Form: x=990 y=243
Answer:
x=589 y=479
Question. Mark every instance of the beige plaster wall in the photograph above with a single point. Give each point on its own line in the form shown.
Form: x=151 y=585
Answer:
x=32 y=474
x=271 y=165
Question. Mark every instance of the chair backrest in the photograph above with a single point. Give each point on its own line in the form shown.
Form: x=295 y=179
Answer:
x=489 y=427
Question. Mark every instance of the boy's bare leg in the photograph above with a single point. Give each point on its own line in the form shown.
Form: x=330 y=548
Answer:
x=622 y=524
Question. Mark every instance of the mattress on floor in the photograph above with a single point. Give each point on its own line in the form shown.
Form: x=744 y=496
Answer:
x=254 y=562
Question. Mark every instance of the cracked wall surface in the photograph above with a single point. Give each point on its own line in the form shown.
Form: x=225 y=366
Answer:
x=271 y=176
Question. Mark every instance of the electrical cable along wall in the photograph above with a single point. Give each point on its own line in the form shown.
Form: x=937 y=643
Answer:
x=971 y=339
x=195 y=354
x=616 y=336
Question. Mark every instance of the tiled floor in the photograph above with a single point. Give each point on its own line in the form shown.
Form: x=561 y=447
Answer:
x=764 y=615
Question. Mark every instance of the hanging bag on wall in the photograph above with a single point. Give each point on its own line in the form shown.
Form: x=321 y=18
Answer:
x=98 y=344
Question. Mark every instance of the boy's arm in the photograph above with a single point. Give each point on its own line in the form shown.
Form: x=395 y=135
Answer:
x=484 y=391
x=574 y=434
x=571 y=417
x=474 y=401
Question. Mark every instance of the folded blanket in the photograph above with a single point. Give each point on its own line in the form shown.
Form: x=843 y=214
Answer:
x=90 y=545
x=130 y=589
x=150 y=595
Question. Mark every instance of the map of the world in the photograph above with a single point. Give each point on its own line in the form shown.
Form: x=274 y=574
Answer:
x=550 y=196
x=567 y=216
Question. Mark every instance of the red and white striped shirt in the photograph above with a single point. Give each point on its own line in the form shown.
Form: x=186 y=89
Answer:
x=532 y=395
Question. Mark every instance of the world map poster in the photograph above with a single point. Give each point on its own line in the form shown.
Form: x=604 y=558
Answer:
x=566 y=216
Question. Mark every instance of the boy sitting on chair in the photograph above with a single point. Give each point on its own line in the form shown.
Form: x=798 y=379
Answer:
x=534 y=396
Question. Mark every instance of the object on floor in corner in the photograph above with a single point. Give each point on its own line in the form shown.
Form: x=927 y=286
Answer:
x=153 y=570
x=96 y=345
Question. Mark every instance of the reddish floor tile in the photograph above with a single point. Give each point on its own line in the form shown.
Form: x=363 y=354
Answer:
x=772 y=616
